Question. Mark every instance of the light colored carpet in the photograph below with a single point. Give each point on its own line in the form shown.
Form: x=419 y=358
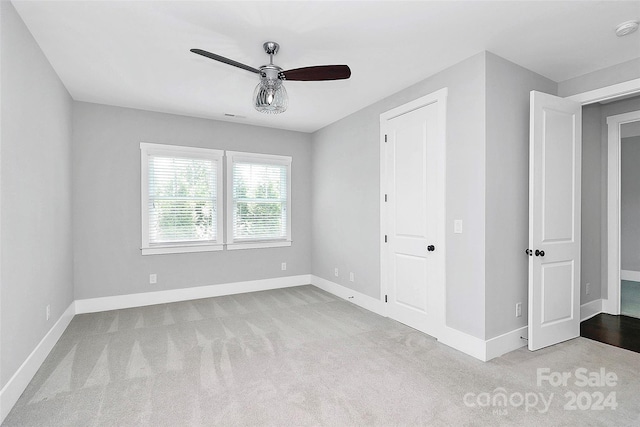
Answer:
x=300 y=356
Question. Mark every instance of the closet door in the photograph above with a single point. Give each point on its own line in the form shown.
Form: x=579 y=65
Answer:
x=414 y=207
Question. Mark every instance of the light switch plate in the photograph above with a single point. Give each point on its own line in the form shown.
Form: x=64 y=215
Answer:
x=457 y=226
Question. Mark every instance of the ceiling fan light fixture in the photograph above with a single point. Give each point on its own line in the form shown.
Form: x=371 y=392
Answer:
x=270 y=96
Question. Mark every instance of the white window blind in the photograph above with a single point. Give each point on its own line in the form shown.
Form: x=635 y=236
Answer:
x=181 y=190
x=182 y=193
x=259 y=209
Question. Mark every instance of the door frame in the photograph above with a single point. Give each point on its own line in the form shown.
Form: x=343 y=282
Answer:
x=440 y=98
x=612 y=303
x=630 y=87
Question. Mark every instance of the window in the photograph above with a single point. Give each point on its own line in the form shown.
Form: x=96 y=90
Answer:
x=181 y=199
x=258 y=200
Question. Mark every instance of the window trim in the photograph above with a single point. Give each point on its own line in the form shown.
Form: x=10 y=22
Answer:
x=147 y=149
x=268 y=159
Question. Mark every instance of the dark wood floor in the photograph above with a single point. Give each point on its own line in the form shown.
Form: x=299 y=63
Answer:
x=621 y=331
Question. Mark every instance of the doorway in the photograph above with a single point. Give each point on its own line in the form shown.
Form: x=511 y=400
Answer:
x=613 y=325
x=623 y=251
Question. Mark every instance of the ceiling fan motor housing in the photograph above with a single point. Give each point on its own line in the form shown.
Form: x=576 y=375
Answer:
x=271 y=72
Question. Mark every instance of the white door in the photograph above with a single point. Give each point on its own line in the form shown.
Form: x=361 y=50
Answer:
x=414 y=213
x=554 y=220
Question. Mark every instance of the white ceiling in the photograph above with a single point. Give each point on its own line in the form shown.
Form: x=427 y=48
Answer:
x=136 y=53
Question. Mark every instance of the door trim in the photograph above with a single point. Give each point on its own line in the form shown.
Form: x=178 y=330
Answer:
x=439 y=97
x=608 y=92
x=611 y=304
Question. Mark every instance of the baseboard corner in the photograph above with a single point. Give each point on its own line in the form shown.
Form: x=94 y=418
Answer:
x=506 y=343
x=462 y=341
x=590 y=309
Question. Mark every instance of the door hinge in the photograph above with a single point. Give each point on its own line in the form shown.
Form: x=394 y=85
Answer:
x=385 y=197
x=385 y=138
x=385 y=298
x=385 y=238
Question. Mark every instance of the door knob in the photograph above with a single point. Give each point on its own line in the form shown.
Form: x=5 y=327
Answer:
x=539 y=253
x=529 y=252
x=431 y=248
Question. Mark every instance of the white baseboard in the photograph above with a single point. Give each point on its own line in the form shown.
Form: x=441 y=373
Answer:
x=452 y=337
x=484 y=350
x=92 y=305
x=631 y=275
x=473 y=346
x=15 y=387
x=18 y=383
x=464 y=342
x=505 y=343
x=590 y=309
x=362 y=300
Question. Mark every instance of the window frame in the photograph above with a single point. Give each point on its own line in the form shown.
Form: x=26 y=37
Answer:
x=148 y=149
x=268 y=159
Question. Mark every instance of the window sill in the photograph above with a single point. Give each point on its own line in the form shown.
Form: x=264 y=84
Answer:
x=177 y=249
x=258 y=245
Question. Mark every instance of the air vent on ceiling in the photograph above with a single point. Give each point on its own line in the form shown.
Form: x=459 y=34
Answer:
x=234 y=116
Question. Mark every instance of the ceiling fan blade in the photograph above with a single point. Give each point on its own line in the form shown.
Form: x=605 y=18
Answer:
x=317 y=73
x=225 y=60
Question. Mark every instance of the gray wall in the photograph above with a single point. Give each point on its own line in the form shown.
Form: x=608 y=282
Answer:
x=630 y=204
x=594 y=193
x=487 y=140
x=601 y=78
x=507 y=191
x=594 y=201
x=36 y=194
x=106 y=190
x=346 y=193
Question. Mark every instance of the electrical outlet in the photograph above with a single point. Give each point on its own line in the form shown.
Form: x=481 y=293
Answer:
x=48 y=311
x=352 y=277
x=153 y=279
x=283 y=266
x=457 y=226
x=519 y=309
x=588 y=288
x=335 y=272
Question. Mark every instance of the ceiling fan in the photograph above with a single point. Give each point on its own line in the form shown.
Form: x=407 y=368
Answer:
x=270 y=96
